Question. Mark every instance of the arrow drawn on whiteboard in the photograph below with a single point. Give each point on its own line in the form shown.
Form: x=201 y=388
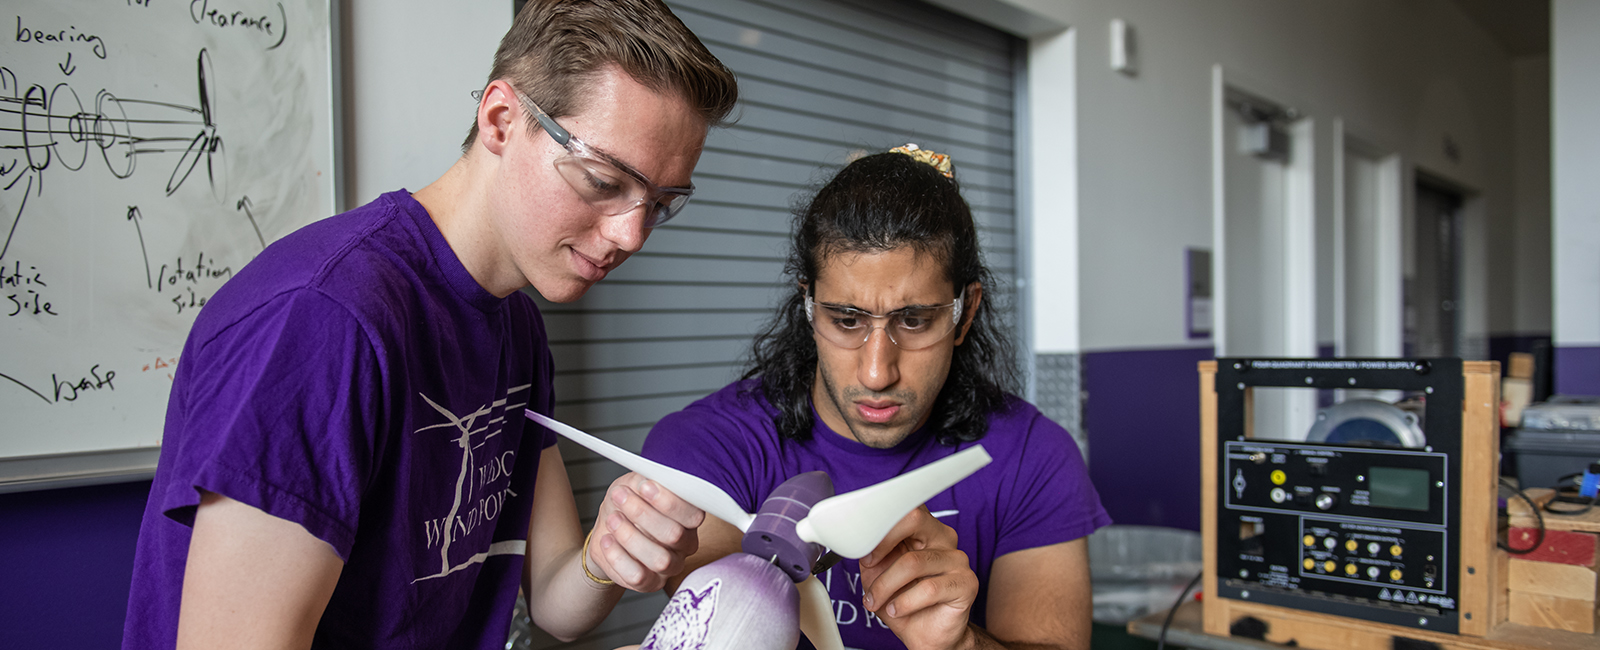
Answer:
x=67 y=68
x=244 y=204
x=135 y=217
x=43 y=129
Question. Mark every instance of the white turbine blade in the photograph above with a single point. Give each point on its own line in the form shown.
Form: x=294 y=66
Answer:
x=853 y=523
x=816 y=616
x=697 y=491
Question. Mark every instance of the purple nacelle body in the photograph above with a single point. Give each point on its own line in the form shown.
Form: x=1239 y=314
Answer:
x=747 y=600
x=772 y=535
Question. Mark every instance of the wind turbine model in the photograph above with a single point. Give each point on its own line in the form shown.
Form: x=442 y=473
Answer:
x=745 y=600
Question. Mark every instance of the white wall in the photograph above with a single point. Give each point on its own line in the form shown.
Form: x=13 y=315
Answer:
x=1530 y=311
x=1053 y=152
x=410 y=67
x=1402 y=76
x=1575 y=227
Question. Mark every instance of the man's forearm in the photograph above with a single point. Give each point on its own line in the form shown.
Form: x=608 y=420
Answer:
x=570 y=604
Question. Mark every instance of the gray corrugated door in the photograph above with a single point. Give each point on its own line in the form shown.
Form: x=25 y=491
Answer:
x=820 y=81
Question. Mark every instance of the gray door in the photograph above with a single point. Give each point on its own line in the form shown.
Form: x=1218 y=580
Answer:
x=1433 y=288
x=821 y=81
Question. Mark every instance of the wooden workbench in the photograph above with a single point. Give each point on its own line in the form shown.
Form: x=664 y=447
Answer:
x=1310 y=630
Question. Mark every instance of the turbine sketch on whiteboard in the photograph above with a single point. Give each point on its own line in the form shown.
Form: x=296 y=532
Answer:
x=42 y=129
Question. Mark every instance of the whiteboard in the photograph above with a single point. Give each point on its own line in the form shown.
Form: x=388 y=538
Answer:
x=148 y=150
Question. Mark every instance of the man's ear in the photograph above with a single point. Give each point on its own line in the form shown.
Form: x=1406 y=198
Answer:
x=497 y=111
x=969 y=309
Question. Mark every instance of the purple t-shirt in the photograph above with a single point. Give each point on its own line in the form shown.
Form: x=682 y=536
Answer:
x=1035 y=493
x=356 y=380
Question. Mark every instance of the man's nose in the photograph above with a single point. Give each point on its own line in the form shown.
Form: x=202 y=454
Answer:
x=879 y=368
x=627 y=230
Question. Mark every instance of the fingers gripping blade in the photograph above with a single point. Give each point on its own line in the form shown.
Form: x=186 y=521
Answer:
x=852 y=524
x=688 y=487
x=816 y=616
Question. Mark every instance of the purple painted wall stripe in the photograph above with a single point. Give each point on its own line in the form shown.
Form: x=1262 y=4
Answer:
x=69 y=561
x=1577 y=370
x=1143 y=419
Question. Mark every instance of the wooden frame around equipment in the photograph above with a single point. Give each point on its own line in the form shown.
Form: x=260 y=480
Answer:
x=1483 y=573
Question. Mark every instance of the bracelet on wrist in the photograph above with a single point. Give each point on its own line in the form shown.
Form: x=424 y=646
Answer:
x=583 y=561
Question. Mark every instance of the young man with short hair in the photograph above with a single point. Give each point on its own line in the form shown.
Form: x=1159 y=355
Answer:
x=345 y=461
x=886 y=357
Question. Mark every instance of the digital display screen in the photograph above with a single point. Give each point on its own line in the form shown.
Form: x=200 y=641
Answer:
x=1395 y=487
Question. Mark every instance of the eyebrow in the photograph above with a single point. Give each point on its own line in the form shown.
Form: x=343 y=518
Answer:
x=833 y=305
x=528 y=102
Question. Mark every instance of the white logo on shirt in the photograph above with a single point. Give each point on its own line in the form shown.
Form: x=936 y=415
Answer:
x=482 y=486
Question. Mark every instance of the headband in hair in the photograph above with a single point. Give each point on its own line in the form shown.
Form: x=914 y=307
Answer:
x=939 y=161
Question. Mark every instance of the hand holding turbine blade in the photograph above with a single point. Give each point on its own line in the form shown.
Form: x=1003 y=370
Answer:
x=853 y=523
x=697 y=491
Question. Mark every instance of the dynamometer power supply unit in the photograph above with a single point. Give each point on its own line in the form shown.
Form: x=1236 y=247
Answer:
x=1359 y=517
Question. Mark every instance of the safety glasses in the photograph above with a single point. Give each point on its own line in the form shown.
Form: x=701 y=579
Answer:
x=605 y=183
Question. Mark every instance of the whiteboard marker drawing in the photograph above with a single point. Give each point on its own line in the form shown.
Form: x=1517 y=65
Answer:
x=44 y=129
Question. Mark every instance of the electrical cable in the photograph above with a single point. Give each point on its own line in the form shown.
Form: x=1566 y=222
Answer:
x=1161 y=642
x=1574 y=497
x=1539 y=539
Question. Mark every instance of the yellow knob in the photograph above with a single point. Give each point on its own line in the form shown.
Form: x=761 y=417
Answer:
x=1350 y=569
x=1278 y=477
x=1330 y=566
x=1394 y=574
x=1310 y=540
x=1310 y=564
x=1395 y=550
x=1350 y=545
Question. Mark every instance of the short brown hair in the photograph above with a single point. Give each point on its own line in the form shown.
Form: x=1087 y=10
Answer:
x=555 y=48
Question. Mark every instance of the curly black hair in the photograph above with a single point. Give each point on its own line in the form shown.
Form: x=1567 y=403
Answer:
x=879 y=203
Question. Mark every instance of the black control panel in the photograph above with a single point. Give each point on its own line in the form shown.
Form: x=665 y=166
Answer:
x=1361 y=531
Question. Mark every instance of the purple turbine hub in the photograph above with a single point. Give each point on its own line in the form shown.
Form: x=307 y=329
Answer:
x=772 y=536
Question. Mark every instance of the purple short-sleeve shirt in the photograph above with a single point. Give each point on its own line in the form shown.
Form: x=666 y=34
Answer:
x=1035 y=493
x=356 y=380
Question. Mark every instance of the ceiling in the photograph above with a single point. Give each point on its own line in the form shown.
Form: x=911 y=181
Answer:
x=1522 y=27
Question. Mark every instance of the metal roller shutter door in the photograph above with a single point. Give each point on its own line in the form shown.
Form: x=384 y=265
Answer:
x=820 y=81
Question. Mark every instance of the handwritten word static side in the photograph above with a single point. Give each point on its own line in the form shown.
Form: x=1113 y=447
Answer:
x=24 y=289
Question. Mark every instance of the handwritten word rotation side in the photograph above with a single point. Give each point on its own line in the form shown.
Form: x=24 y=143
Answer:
x=184 y=279
x=70 y=35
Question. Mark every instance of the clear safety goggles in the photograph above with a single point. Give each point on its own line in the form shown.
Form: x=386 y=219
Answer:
x=910 y=328
x=605 y=183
